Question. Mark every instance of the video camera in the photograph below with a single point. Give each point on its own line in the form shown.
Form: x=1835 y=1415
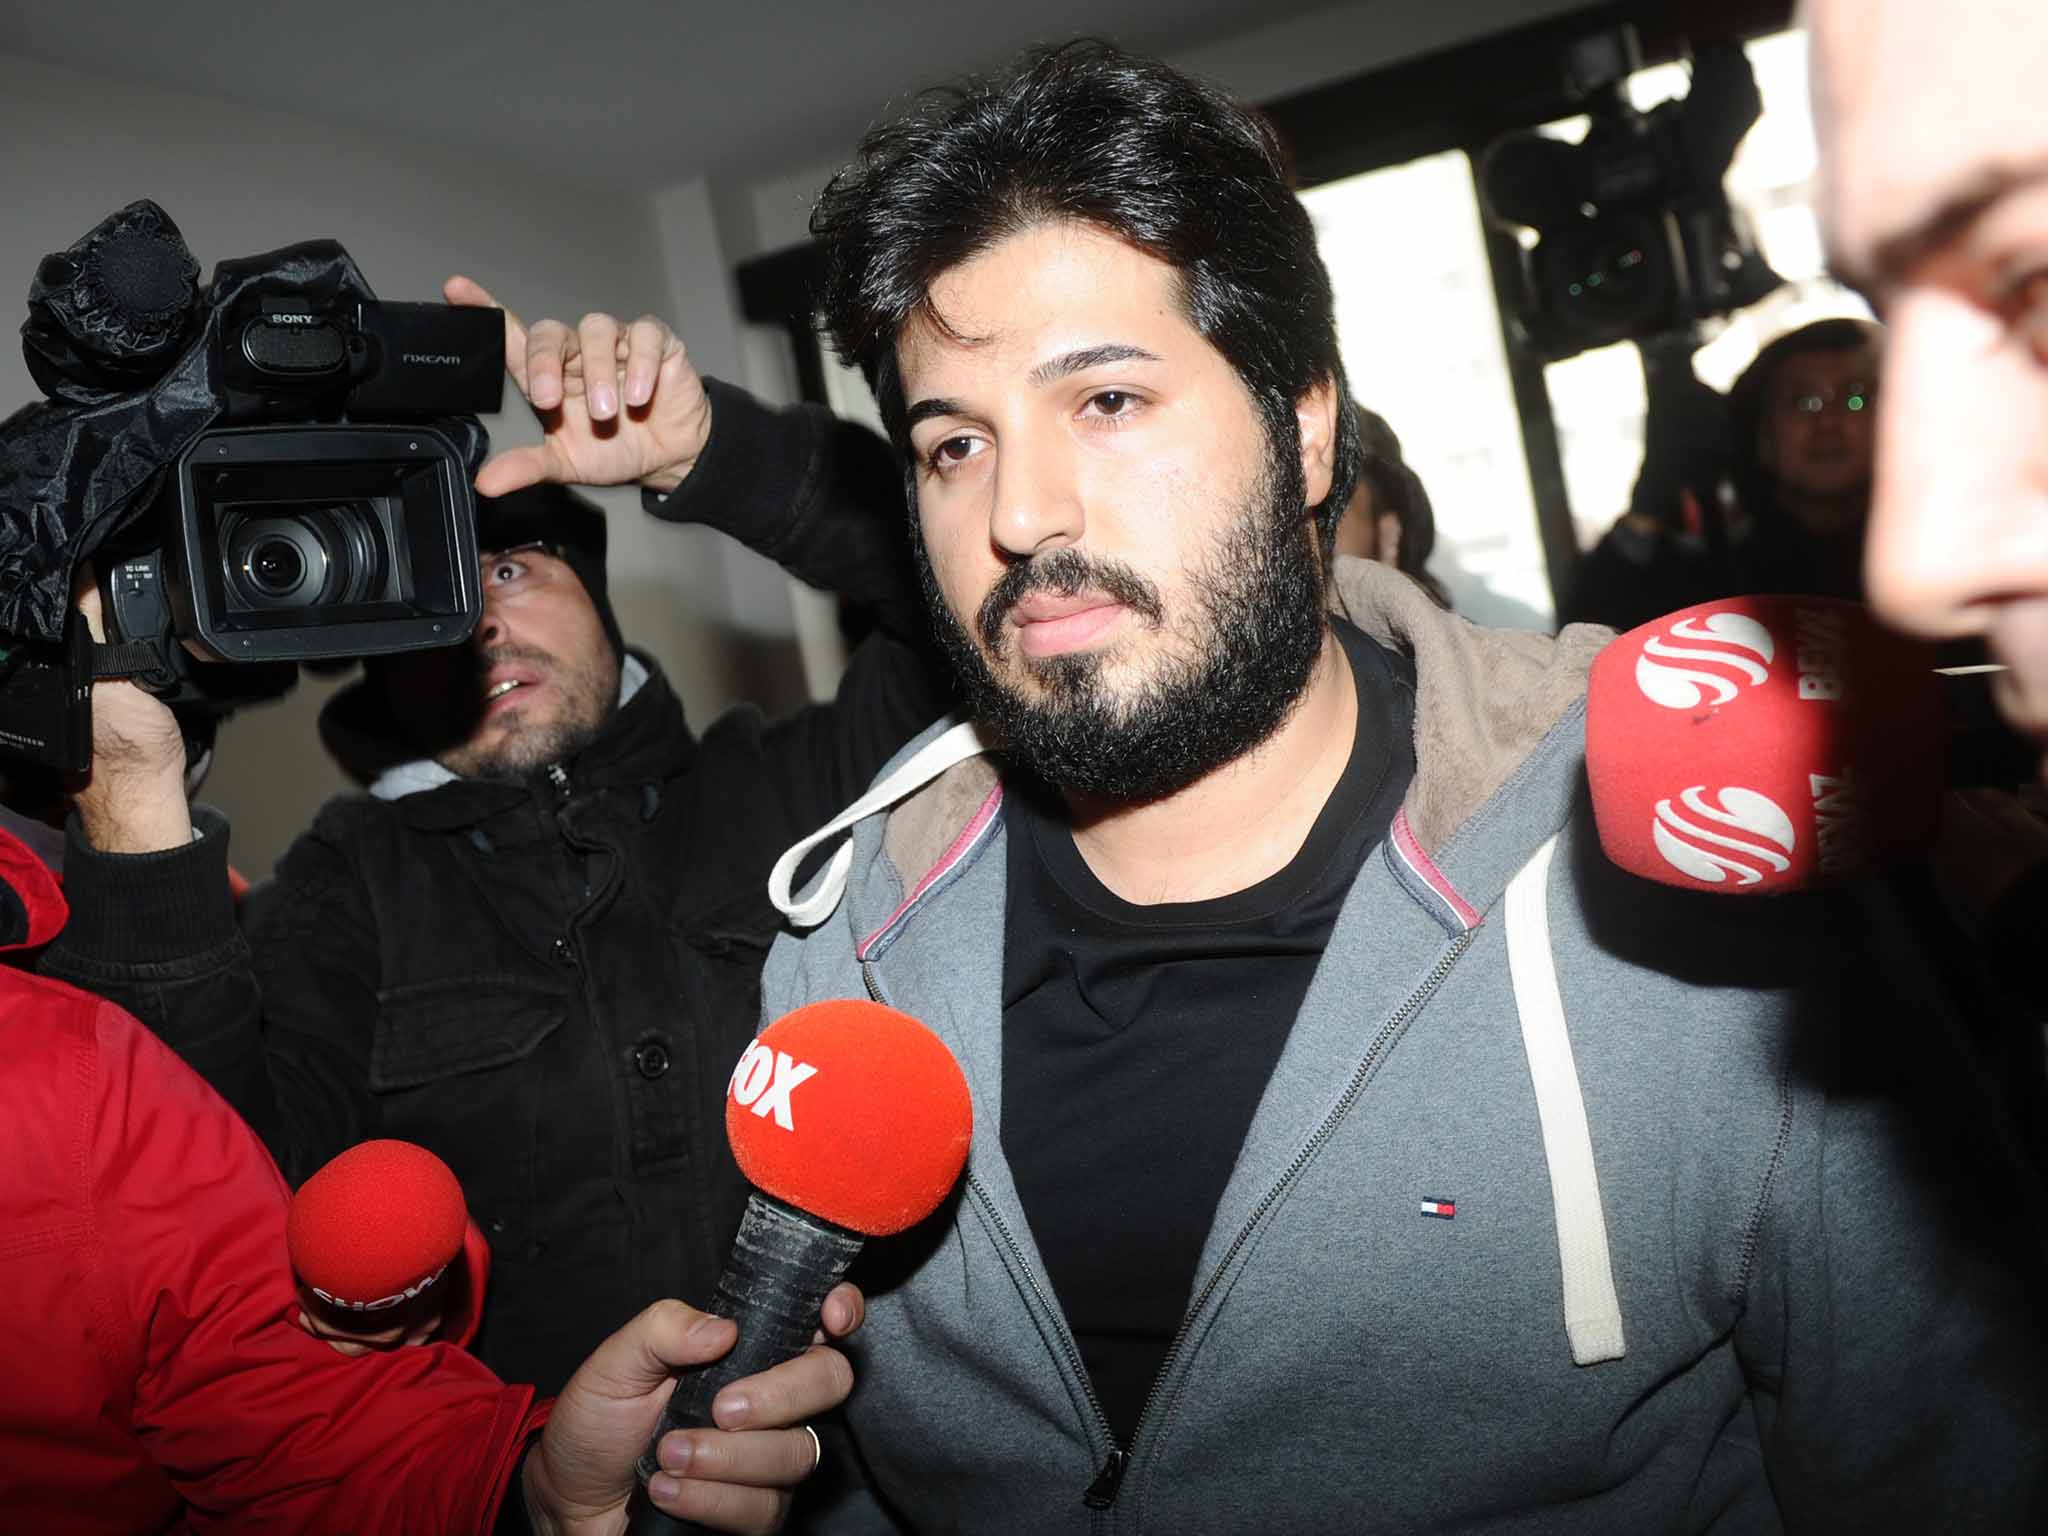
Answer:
x=274 y=471
x=1635 y=235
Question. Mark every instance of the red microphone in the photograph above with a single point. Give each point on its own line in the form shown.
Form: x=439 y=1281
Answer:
x=1762 y=744
x=373 y=1237
x=852 y=1121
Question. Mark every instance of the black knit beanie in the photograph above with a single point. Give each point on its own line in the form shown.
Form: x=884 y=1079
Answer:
x=556 y=516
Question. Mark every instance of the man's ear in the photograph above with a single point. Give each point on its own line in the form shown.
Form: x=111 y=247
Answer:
x=1315 y=416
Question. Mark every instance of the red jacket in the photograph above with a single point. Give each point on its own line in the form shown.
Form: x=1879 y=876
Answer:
x=151 y=1377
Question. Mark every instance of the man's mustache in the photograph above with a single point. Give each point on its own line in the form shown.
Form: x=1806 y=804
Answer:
x=500 y=655
x=1065 y=573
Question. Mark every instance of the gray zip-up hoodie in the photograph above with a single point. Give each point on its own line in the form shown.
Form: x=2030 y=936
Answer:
x=1573 y=1204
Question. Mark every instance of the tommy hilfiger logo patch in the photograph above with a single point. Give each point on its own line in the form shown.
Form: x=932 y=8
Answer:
x=1443 y=1210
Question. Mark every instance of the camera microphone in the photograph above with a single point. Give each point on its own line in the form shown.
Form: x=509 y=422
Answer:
x=114 y=310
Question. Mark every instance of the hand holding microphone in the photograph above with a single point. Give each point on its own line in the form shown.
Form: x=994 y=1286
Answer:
x=852 y=1121
x=385 y=1252
x=737 y=1479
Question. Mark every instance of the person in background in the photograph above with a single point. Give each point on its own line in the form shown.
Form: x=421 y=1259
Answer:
x=1389 y=518
x=155 y=1378
x=1766 y=490
x=1806 y=410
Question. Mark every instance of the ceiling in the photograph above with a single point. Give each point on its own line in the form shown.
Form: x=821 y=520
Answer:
x=635 y=92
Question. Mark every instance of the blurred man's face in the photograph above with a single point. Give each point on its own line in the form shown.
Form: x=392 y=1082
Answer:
x=1365 y=533
x=1935 y=143
x=1116 y=548
x=533 y=686
x=1818 y=436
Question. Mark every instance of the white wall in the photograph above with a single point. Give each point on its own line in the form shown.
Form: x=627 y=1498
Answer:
x=239 y=182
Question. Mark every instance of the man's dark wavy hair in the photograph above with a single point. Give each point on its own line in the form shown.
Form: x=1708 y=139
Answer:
x=1089 y=133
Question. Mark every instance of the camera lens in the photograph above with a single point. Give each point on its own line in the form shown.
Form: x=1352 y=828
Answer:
x=278 y=558
x=304 y=554
x=350 y=533
x=275 y=566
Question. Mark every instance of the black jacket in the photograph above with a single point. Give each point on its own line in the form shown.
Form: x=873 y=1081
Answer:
x=547 y=983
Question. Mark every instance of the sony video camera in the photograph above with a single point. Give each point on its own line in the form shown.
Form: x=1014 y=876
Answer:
x=272 y=471
x=1634 y=233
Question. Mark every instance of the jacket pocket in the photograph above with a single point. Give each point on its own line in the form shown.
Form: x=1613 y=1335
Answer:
x=721 y=953
x=431 y=1030
x=740 y=931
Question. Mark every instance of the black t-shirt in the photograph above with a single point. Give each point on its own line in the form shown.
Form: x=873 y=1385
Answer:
x=1137 y=1040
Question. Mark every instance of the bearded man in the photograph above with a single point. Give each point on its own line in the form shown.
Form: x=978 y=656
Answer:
x=1354 y=1150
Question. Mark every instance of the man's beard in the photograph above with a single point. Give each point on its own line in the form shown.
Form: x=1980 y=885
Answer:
x=1236 y=660
x=585 y=695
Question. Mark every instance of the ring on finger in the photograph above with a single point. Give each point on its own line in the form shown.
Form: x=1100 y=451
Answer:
x=817 y=1446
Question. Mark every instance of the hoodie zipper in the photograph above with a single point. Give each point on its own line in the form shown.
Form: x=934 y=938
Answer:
x=559 y=777
x=1396 y=1022
x=1100 y=1496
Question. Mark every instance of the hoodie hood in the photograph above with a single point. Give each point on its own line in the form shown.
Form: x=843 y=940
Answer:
x=1484 y=698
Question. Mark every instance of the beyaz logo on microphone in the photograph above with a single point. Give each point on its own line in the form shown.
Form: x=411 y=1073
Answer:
x=1721 y=654
x=1743 y=836
x=764 y=1080
x=1821 y=644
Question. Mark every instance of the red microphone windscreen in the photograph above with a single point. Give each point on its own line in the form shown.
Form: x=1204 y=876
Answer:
x=377 y=1223
x=1759 y=744
x=853 y=1112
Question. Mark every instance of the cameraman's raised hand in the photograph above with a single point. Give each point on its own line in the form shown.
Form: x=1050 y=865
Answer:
x=133 y=798
x=617 y=402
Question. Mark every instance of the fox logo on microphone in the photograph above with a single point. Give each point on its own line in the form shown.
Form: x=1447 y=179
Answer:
x=1705 y=660
x=1743 y=836
x=765 y=1079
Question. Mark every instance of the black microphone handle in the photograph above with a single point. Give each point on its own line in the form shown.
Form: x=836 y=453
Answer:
x=784 y=1262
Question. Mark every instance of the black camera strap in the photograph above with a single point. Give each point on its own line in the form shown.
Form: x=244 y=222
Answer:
x=139 y=659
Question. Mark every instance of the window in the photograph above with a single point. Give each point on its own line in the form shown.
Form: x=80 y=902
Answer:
x=1422 y=344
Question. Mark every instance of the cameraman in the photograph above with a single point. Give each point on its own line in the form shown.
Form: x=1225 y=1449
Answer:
x=534 y=946
x=1764 y=490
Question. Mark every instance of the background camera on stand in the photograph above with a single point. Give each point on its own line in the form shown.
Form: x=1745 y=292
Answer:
x=1633 y=233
